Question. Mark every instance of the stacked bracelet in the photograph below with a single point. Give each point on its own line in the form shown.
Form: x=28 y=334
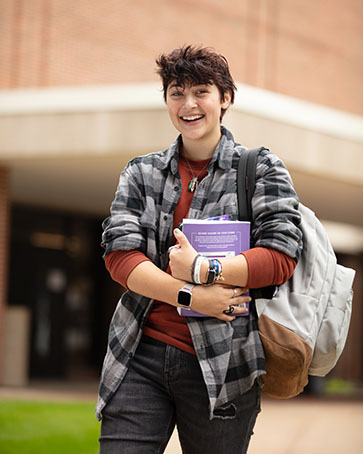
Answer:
x=214 y=272
x=192 y=268
x=198 y=265
x=195 y=268
x=216 y=265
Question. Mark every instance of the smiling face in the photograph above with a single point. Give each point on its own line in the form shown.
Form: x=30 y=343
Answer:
x=195 y=111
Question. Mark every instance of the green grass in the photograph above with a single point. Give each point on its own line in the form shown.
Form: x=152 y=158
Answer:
x=48 y=428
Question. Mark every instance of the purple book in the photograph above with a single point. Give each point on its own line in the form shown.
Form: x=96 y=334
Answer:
x=215 y=239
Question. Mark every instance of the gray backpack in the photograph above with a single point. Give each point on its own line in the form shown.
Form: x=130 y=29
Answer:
x=304 y=326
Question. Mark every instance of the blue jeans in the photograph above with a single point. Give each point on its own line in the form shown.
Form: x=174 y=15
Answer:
x=164 y=387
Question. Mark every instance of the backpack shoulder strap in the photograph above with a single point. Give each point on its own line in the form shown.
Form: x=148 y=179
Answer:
x=246 y=181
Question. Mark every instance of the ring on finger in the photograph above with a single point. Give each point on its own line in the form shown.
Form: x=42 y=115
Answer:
x=235 y=293
x=229 y=311
x=171 y=247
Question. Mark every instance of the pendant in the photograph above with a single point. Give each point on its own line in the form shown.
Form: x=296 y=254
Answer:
x=193 y=183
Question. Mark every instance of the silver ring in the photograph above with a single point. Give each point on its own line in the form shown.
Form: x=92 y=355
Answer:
x=235 y=293
x=229 y=311
x=171 y=247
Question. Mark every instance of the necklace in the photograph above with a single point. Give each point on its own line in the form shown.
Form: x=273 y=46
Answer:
x=193 y=183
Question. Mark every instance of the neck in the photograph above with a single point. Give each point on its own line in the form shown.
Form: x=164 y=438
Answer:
x=199 y=150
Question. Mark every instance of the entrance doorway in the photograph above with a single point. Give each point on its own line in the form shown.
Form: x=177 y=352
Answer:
x=57 y=272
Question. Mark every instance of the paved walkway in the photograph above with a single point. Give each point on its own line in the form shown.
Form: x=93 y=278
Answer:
x=303 y=425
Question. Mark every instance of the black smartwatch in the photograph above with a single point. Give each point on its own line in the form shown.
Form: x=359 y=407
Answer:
x=185 y=295
x=211 y=275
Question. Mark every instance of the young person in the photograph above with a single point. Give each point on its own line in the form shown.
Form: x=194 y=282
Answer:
x=161 y=369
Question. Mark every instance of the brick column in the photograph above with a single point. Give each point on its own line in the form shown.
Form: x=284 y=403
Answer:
x=4 y=251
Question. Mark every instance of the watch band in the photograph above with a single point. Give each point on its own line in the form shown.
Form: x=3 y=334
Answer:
x=214 y=272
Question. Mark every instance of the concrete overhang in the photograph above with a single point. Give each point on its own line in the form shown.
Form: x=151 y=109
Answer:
x=65 y=146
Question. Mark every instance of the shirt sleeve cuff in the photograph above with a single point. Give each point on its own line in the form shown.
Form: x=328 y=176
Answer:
x=120 y=264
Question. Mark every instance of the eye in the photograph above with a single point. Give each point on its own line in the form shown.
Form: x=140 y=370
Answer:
x=202 y=91
x=176 y=94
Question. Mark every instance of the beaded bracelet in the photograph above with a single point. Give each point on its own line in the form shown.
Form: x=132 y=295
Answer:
x=216 y=265
x=214 y=272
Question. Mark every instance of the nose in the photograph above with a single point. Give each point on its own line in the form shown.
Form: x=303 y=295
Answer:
x=190 y=101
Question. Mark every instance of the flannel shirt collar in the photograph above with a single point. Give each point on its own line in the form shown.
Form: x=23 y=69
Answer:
x=222 y=153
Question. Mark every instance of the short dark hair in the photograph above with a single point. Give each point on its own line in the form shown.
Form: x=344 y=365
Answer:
x=196 y=66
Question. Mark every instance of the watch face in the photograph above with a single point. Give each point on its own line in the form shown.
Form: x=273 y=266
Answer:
x=184 y=298
x=210 y=277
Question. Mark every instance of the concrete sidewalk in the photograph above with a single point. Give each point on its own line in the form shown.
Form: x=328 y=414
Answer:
x=304 y=425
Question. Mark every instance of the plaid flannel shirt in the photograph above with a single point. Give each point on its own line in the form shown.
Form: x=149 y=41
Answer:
x=230 y=354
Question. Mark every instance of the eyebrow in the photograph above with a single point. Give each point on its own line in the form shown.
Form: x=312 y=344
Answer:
x=174 y=86
x=181 y=87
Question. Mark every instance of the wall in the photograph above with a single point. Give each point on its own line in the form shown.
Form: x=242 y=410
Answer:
x=307 y=49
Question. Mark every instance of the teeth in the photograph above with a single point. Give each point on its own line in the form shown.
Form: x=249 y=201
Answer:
x=192 y=117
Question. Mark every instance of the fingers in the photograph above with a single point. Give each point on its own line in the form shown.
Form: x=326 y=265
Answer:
x=219 y=301
x=238 y=302
x=180 y=237
x=230 y=310
x=229 y=318
x=239 y=309
x=176 y=246
x=238 y=291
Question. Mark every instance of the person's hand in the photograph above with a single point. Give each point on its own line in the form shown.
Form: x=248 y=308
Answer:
x=181 y=257
x=219 y=301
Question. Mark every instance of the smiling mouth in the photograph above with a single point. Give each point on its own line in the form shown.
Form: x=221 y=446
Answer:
x=191 y=118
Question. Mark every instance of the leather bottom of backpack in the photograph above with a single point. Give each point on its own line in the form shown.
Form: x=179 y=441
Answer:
x=288 y=358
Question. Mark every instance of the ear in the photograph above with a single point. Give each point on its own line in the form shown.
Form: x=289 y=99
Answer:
x=227 y=100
